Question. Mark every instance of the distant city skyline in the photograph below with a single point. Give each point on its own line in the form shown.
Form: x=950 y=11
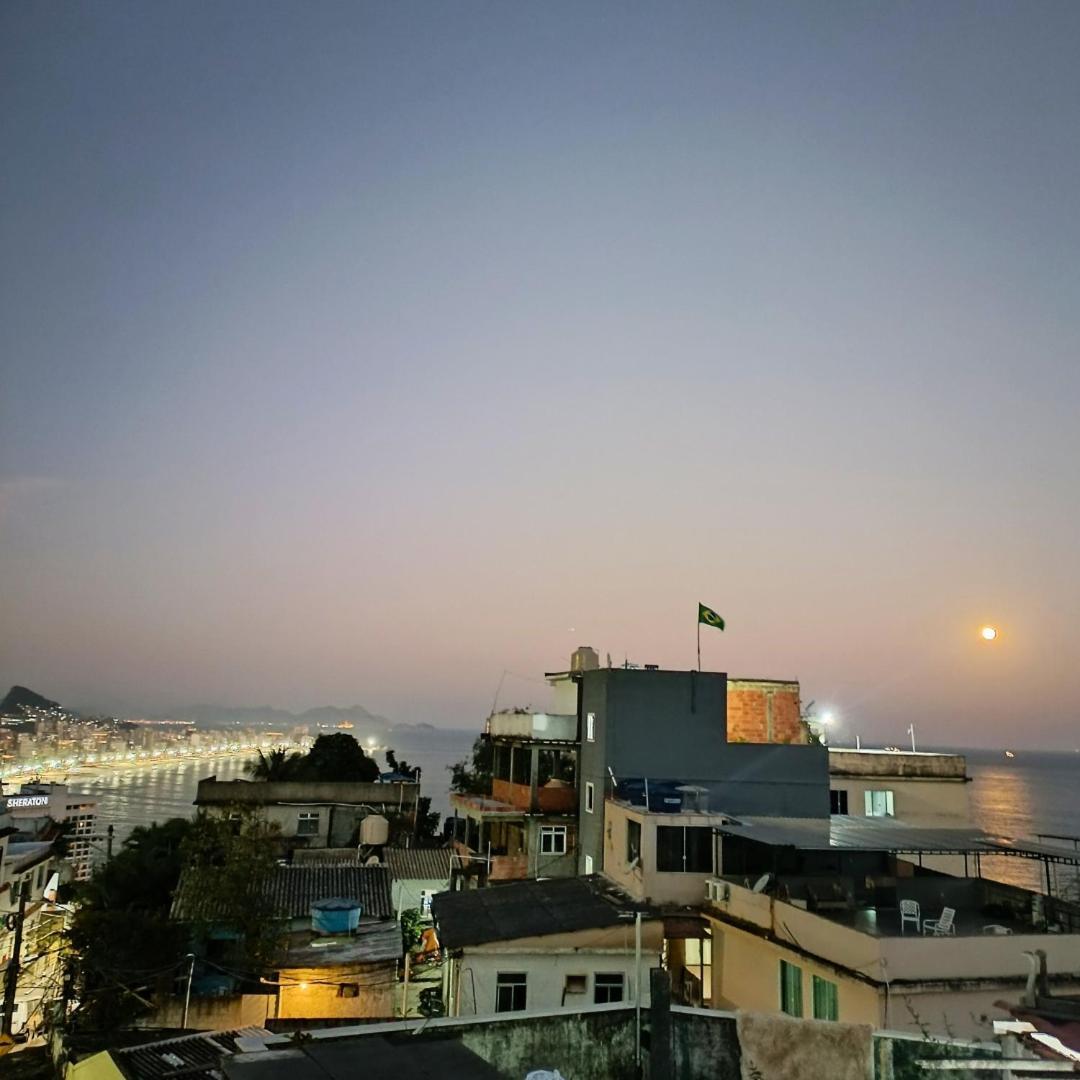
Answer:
x=358 y=353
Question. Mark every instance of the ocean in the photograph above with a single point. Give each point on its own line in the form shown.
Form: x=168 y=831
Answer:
x=1033 y=792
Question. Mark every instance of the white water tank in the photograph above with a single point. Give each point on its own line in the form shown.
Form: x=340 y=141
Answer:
x=374 y=830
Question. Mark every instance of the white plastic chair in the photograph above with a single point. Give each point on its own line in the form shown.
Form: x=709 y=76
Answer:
x=909 y=912
x=943 y=924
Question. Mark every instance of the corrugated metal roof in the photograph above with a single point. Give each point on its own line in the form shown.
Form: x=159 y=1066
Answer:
x=418 y=864
x=528 y=909
x=194 y=1057
x=886 y=834
x=294 y=889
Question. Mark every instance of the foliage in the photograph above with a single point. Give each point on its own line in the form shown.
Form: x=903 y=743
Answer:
x=401 y=767
x=474 y=778
x=120 y=933
x=338 y=757
x=412 y=925
x=427 y=820
x=278 y=764
x=229 y=863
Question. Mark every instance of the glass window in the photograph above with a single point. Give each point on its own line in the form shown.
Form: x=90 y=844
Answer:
x=633 y=841
x=425 y=901
x=590 y=796
x=553 y=839
x=879 y=803
x=510 y=991
x=838 y=802
x=684 y=849
x=590 y=727
x=608 y=988
x=588 y=864
x=790 y=988
x=307 y=823
x=826 y=999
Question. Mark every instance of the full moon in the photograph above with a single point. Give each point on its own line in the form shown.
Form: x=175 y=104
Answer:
x=988 y=633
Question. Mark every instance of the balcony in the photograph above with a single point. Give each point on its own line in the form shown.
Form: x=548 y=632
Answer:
x=553 y=798
x=861 y=929
x=554 y=727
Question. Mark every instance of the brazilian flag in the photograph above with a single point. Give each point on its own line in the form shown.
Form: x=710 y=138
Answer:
x=709 y=617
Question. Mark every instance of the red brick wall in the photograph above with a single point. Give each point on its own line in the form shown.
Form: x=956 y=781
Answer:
x=762 y=711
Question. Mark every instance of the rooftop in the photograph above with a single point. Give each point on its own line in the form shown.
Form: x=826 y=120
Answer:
x=194 y=1057
x=215 y=792
x=371 y=943
x=295 y=888
x=533 y=908
x=417 y=863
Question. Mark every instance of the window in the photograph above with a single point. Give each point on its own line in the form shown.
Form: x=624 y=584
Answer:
x=576 y=984
x=633 y=841
x=588 y=864
x=510 y=992
x=590 y=796
x=590 y=727
x=307 y=823
x=425 y=901
x=348 y=990
x=608 y=988
x=553 y=839
x=879 y=803
x=684 y=849
x=790 y=988
x=826 y=999
x=838 y=802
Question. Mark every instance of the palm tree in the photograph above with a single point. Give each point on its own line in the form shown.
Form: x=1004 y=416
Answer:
x=278 y=764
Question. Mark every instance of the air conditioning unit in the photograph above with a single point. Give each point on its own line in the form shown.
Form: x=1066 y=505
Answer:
x=719 y=892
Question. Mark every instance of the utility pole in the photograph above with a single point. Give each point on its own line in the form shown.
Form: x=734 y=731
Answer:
x=637 y=989
x=187 y=996
x=11 y=976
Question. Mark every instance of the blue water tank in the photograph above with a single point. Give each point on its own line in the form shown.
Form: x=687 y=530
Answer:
x=336 y=916
x=664 y=795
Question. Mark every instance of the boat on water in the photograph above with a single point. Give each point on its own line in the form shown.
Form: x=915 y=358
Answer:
x=1009 y=753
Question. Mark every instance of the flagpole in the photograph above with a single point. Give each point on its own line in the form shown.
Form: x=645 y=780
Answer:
x=699 y=641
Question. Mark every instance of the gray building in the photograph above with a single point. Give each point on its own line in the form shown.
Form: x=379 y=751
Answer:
x=644 y=730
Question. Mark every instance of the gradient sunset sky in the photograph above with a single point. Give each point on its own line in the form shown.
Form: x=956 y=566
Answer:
x=358 y=352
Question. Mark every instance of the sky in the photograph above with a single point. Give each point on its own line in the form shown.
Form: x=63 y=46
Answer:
x=363 y=352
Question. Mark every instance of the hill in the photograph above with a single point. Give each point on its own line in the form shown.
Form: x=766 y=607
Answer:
x=20 y=697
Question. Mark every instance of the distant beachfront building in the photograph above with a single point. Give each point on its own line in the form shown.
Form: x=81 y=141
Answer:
x=37 y=807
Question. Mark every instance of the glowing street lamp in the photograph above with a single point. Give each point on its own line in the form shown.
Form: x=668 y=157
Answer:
x=988 y=633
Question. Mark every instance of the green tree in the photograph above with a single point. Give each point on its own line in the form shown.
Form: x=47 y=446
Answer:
x=427 y=820
x=474 y=778
x=338 y=757
x=121 y=938
x=229 y=863
x=278 y=764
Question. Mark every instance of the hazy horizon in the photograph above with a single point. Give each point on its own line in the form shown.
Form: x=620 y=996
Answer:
x=358 y=352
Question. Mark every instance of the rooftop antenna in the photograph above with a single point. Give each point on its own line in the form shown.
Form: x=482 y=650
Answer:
x=911 y=732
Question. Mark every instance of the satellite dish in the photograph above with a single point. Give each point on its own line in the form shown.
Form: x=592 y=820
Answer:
x=51 y=888
x=761 y=883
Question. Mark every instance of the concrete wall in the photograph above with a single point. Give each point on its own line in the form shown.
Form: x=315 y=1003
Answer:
x=764 y=711
x=213 y=1013
x=931 y=801
x=250 y=792
x=315 y=992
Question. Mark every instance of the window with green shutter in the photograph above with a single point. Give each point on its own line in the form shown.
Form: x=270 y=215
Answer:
x=826 y=1000
x=790 y=989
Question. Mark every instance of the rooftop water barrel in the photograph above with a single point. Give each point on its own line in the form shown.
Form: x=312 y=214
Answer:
x=374 y=830
x=336 y=916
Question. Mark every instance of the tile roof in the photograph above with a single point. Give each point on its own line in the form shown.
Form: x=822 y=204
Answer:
x=294 y=889
x=528 y=909
x=418 y=864
x=193 y=1057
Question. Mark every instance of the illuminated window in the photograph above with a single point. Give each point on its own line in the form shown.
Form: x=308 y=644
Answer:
x=553 y=839
x=590 y=796
x=879 y=803
x=425 y=901
x=588 y=864
x=307 y=823
x=590 y=727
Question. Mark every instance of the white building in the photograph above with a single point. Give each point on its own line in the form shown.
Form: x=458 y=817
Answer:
x=558 y=943
x=37 y=804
